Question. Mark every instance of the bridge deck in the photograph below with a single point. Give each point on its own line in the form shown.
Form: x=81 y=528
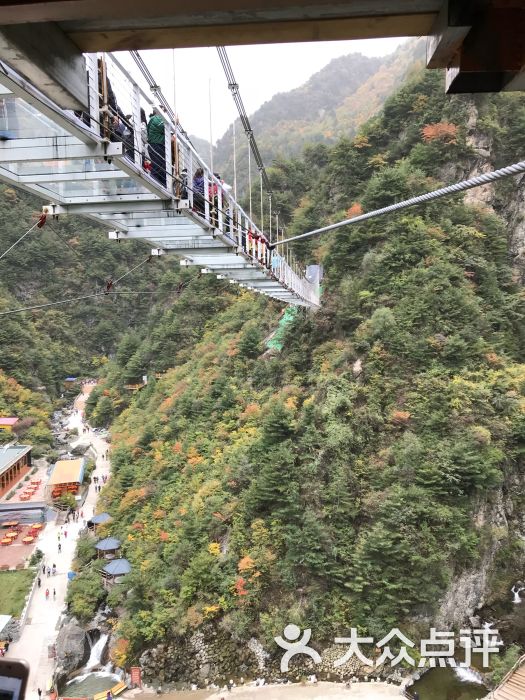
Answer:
x=75 y=162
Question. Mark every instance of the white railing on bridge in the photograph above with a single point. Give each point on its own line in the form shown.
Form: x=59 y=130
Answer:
x=117 y=113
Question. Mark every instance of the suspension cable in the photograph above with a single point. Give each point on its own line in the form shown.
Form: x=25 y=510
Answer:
x=270 y=214
x=67 y=301
x=250 y=176
x=262 y=212
x=157 y=92
x=234 y=88
x=235 y=159
x=132 y=269
x=41 y=221
x=508 y=171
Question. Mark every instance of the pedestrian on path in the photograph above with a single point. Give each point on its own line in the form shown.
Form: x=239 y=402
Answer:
x=39 y=691
x=39 y=581
x=58 y=536
x=65 y=534
x=47 y=593
x=48 y=572
x=54 y=569
x=54 y=594
x=43 y=569
x=59 y=547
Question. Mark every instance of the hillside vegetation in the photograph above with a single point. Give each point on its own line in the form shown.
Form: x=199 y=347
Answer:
x=338 y=483
x=65 y=259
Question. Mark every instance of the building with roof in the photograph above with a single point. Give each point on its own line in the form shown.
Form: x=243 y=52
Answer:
x=107 y=547
x=66 y=477
x=97 y=520
x=7 y=423
x=15 y=462
x=115 y=571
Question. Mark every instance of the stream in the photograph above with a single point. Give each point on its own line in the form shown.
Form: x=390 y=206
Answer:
x=450 y=684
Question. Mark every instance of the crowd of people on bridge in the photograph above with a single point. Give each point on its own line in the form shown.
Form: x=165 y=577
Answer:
x=203 y=190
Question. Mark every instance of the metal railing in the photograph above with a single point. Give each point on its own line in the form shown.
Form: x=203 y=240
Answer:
x=209 y=198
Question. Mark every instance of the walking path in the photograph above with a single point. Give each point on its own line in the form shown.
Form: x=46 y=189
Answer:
x=42 y=622
x=320 y=691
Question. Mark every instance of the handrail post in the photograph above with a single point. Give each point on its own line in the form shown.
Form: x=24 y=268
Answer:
x=168 y=149
x=137 y=128
x=92 y=78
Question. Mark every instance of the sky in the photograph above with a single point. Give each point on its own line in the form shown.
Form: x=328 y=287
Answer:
x=261 y=71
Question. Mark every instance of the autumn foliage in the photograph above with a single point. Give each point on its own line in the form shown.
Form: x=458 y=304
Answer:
x=355 y=210
x=441 y=131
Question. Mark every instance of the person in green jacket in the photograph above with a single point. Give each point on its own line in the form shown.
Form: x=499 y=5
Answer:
x=157 y=147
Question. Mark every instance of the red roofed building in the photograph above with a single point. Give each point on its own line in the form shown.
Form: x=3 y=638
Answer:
x=7 y=423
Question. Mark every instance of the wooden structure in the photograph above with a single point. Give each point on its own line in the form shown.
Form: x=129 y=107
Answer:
x=115 y=690
x=512 y=687
x=99 y=519
x=114 y=572
x=15 y=462
x=107 y=548
x=7 y=423
x=66 y=477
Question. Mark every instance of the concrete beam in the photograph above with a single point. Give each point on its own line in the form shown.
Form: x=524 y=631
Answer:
x=99 y=14
x=446 y=37
x=48 y=59
x=253 y=33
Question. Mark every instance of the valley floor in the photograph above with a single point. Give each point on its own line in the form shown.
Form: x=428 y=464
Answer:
x=43 y=619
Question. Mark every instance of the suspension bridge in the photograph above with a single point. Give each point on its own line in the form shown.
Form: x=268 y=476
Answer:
x=96 y=163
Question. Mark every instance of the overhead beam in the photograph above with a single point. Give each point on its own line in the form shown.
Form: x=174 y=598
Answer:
x=342 y=28
x=446 y=36
x=492 y=56
x=100 y=13
x=48 y=58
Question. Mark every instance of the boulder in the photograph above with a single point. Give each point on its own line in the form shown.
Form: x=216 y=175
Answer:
x=72 y=648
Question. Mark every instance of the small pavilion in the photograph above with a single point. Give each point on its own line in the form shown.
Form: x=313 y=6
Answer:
x=107 y=548
x=99 y=519
x=115 y=571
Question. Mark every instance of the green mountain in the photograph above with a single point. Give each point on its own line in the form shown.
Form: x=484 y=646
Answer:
x=333 y=103
x=370 y=474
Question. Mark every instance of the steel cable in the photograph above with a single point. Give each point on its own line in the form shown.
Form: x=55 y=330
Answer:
x=484 y=179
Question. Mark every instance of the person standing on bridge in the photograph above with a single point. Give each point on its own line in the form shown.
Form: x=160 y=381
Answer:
x=198 y=191
x=157 y=146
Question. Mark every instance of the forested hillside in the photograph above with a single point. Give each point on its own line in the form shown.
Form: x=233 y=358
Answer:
x=356 y=477
x=333 y=103
x=65 y=259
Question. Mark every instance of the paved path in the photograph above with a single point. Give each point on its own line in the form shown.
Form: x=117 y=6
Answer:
x=320 y=691
x=42 y=622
